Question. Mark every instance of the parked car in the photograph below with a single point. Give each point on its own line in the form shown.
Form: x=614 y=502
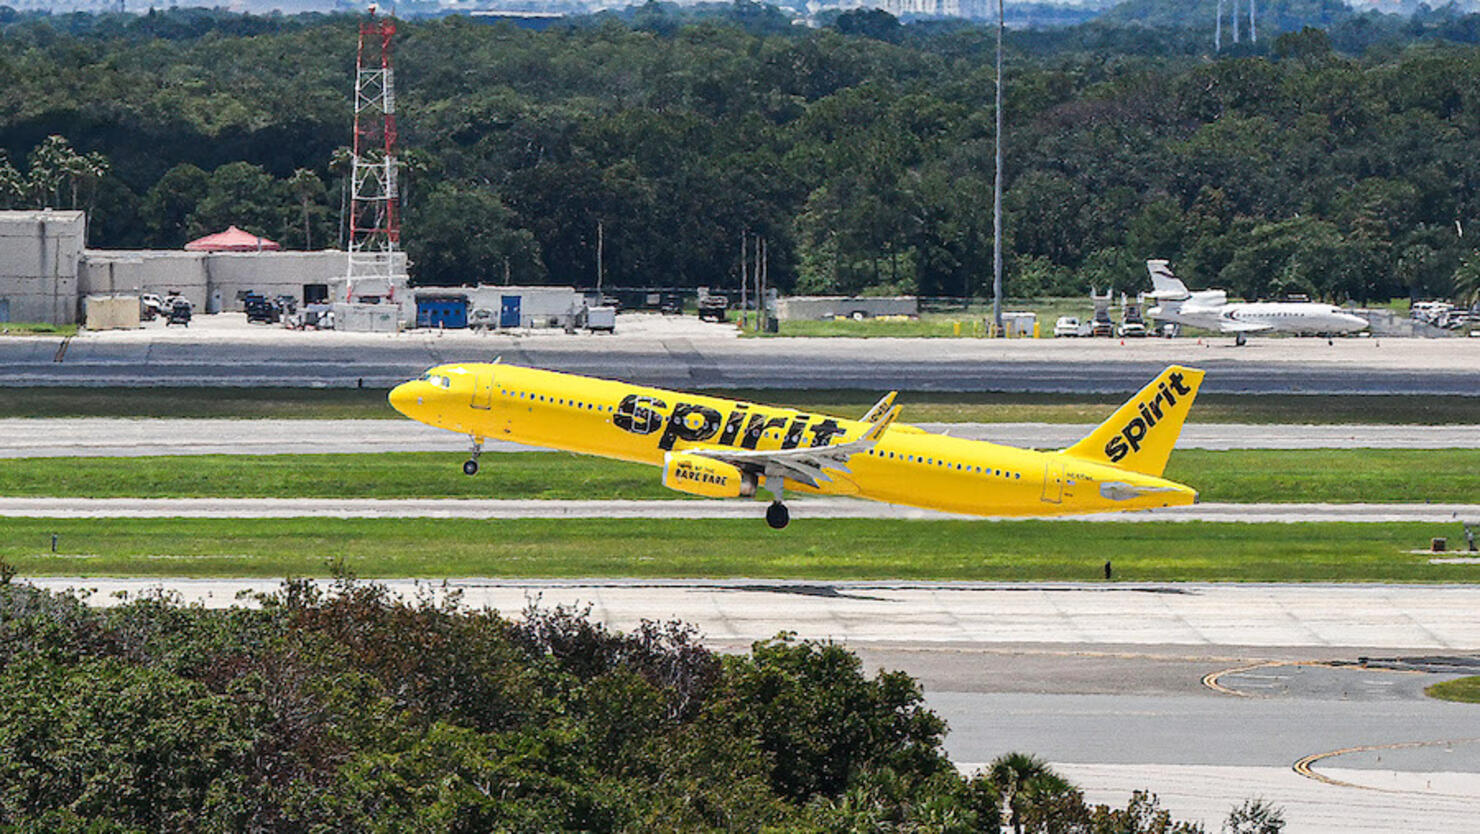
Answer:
x=259 y=309
x=712 y=307
x=150 y=306
x=1102 y=327
x=179 y=313
x=1068 y=326
x=1132 y=329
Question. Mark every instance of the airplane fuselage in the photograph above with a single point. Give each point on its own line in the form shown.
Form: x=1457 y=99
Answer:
x=905 y=465
x=1266 y=316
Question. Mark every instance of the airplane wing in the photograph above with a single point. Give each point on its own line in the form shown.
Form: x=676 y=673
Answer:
x=1227 y=326
x=805 y=464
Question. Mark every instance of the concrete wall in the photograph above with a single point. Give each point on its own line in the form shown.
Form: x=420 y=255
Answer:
x=39 y=254
x=110 y=312
x=212 y=281
x=802 y=307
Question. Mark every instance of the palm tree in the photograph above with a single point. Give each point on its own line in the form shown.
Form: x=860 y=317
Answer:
x=1012 y=773
x=1467 y=280
x=308 y=188
x=12 y=182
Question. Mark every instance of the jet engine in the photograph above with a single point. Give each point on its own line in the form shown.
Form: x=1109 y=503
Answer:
x=710 y=478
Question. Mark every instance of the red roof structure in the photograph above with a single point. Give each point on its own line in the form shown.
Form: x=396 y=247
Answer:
x=232 y=240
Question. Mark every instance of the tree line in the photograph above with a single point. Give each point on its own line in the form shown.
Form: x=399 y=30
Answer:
x=1340 y=165
x=347 y=708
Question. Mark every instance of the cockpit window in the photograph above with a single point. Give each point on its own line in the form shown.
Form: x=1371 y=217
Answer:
x=437 y=380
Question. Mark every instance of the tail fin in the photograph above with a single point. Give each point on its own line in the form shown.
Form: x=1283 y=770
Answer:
x=1140 y=435
x=1164 y=284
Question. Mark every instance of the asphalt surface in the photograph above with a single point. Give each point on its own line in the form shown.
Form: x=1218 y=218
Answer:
x=1105 y=680
x=680 y=354
x=124 y=437
x=802 y=508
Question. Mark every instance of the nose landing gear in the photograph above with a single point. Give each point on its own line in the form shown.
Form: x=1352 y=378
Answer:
x=470 y=466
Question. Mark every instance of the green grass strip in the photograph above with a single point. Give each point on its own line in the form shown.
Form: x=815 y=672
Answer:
x=922 y=407
x=1466 y=690
x=1334 y=475
x=809 y=548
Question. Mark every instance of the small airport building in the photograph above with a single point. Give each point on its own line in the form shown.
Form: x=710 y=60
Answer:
x=46 y=274
x=498 y=307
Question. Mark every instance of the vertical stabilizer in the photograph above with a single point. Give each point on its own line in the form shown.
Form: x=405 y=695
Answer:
x=1165 y=285
x=1140 y=435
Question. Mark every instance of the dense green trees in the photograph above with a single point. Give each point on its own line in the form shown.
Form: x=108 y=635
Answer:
x=349 y=710
x=861 y=152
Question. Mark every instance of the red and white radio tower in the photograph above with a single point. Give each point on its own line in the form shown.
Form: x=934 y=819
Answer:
x=374 y=219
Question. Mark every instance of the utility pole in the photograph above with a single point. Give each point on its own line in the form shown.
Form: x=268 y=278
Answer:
x=760 y=301
x=744 y=281
x=997 y=191
x=600 y=244
x=765 y=267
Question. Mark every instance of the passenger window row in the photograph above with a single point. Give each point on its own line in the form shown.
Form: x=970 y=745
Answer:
x=523 y=395
x=962 y=467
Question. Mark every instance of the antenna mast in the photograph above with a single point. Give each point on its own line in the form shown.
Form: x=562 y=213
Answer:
x=374 y=216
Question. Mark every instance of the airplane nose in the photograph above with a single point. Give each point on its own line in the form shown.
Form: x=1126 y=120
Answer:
x=401 y=398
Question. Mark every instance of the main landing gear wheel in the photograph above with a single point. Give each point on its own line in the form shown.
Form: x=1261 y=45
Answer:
x=470 y=466
x=777 y=515
x=1240 y=340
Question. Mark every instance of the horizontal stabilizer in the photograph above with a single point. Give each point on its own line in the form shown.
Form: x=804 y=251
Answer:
x=881 y=407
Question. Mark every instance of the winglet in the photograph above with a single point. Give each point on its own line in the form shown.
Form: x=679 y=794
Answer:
x=881 y=407
x=1140 y=435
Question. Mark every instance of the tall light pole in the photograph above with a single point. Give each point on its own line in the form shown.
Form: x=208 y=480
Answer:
x=997 y=192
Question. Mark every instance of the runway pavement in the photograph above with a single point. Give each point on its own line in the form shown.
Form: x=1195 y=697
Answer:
x=801 y=509
x=1104 y=679
x=678 y=354
x=129 y=437
x=1369 y=617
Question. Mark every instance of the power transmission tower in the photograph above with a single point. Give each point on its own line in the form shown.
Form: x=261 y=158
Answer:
x=374 y=265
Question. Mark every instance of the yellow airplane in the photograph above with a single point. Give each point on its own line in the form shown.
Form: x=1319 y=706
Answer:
x=721 y=448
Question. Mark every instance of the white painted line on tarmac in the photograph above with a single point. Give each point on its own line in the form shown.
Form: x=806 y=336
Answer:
x=125 y=437
x=801 y=509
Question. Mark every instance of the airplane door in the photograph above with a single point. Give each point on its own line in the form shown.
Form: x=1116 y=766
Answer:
x=1053 y=482
x=508 y=314
x=483 y=390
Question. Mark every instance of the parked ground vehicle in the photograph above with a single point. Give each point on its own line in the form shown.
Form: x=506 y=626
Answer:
x=179 y=313
x=1069 y=326
x=259 y=309
x=713 y=307
x=150 y=306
